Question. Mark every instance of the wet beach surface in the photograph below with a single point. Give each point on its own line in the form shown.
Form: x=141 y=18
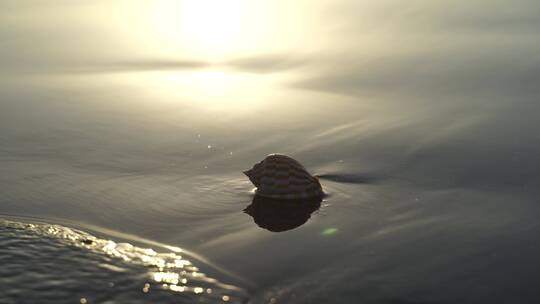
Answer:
x=46 y=263
x=420 y=119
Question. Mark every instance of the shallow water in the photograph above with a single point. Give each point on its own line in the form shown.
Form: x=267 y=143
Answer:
x=45 y=263
x=420 y=118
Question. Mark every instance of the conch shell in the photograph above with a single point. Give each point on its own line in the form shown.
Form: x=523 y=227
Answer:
x=281 y=177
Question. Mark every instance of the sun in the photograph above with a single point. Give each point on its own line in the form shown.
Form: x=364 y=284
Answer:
x=206 y=27
x=217 y=30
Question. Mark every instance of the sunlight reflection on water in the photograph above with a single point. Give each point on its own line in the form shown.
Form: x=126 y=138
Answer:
x=164 y=271
x=205 y=88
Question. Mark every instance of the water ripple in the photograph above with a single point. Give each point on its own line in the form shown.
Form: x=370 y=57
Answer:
x=43 y=263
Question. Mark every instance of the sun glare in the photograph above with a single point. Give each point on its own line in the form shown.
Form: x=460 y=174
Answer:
x=208 y=27
x=217 y=30
x=215 y=33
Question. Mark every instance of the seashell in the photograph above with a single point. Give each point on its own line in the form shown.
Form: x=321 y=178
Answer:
x=281 y=177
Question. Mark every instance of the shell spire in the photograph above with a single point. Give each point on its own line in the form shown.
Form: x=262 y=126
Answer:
x=281 y=177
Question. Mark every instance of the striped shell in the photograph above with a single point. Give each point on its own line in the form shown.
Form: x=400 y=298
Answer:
x=281 y=177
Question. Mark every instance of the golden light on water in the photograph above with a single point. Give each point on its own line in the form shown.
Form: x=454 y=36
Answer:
x=213 y=54
x=216 y=89
x=213 y=31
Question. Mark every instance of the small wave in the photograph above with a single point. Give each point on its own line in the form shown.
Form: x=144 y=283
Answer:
x=44 y=263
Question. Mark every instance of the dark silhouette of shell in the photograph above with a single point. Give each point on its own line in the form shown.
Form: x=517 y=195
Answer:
x=279 y=215
x=281 y=177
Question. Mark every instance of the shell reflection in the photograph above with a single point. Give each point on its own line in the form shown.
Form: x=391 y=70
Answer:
x=279 y=215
